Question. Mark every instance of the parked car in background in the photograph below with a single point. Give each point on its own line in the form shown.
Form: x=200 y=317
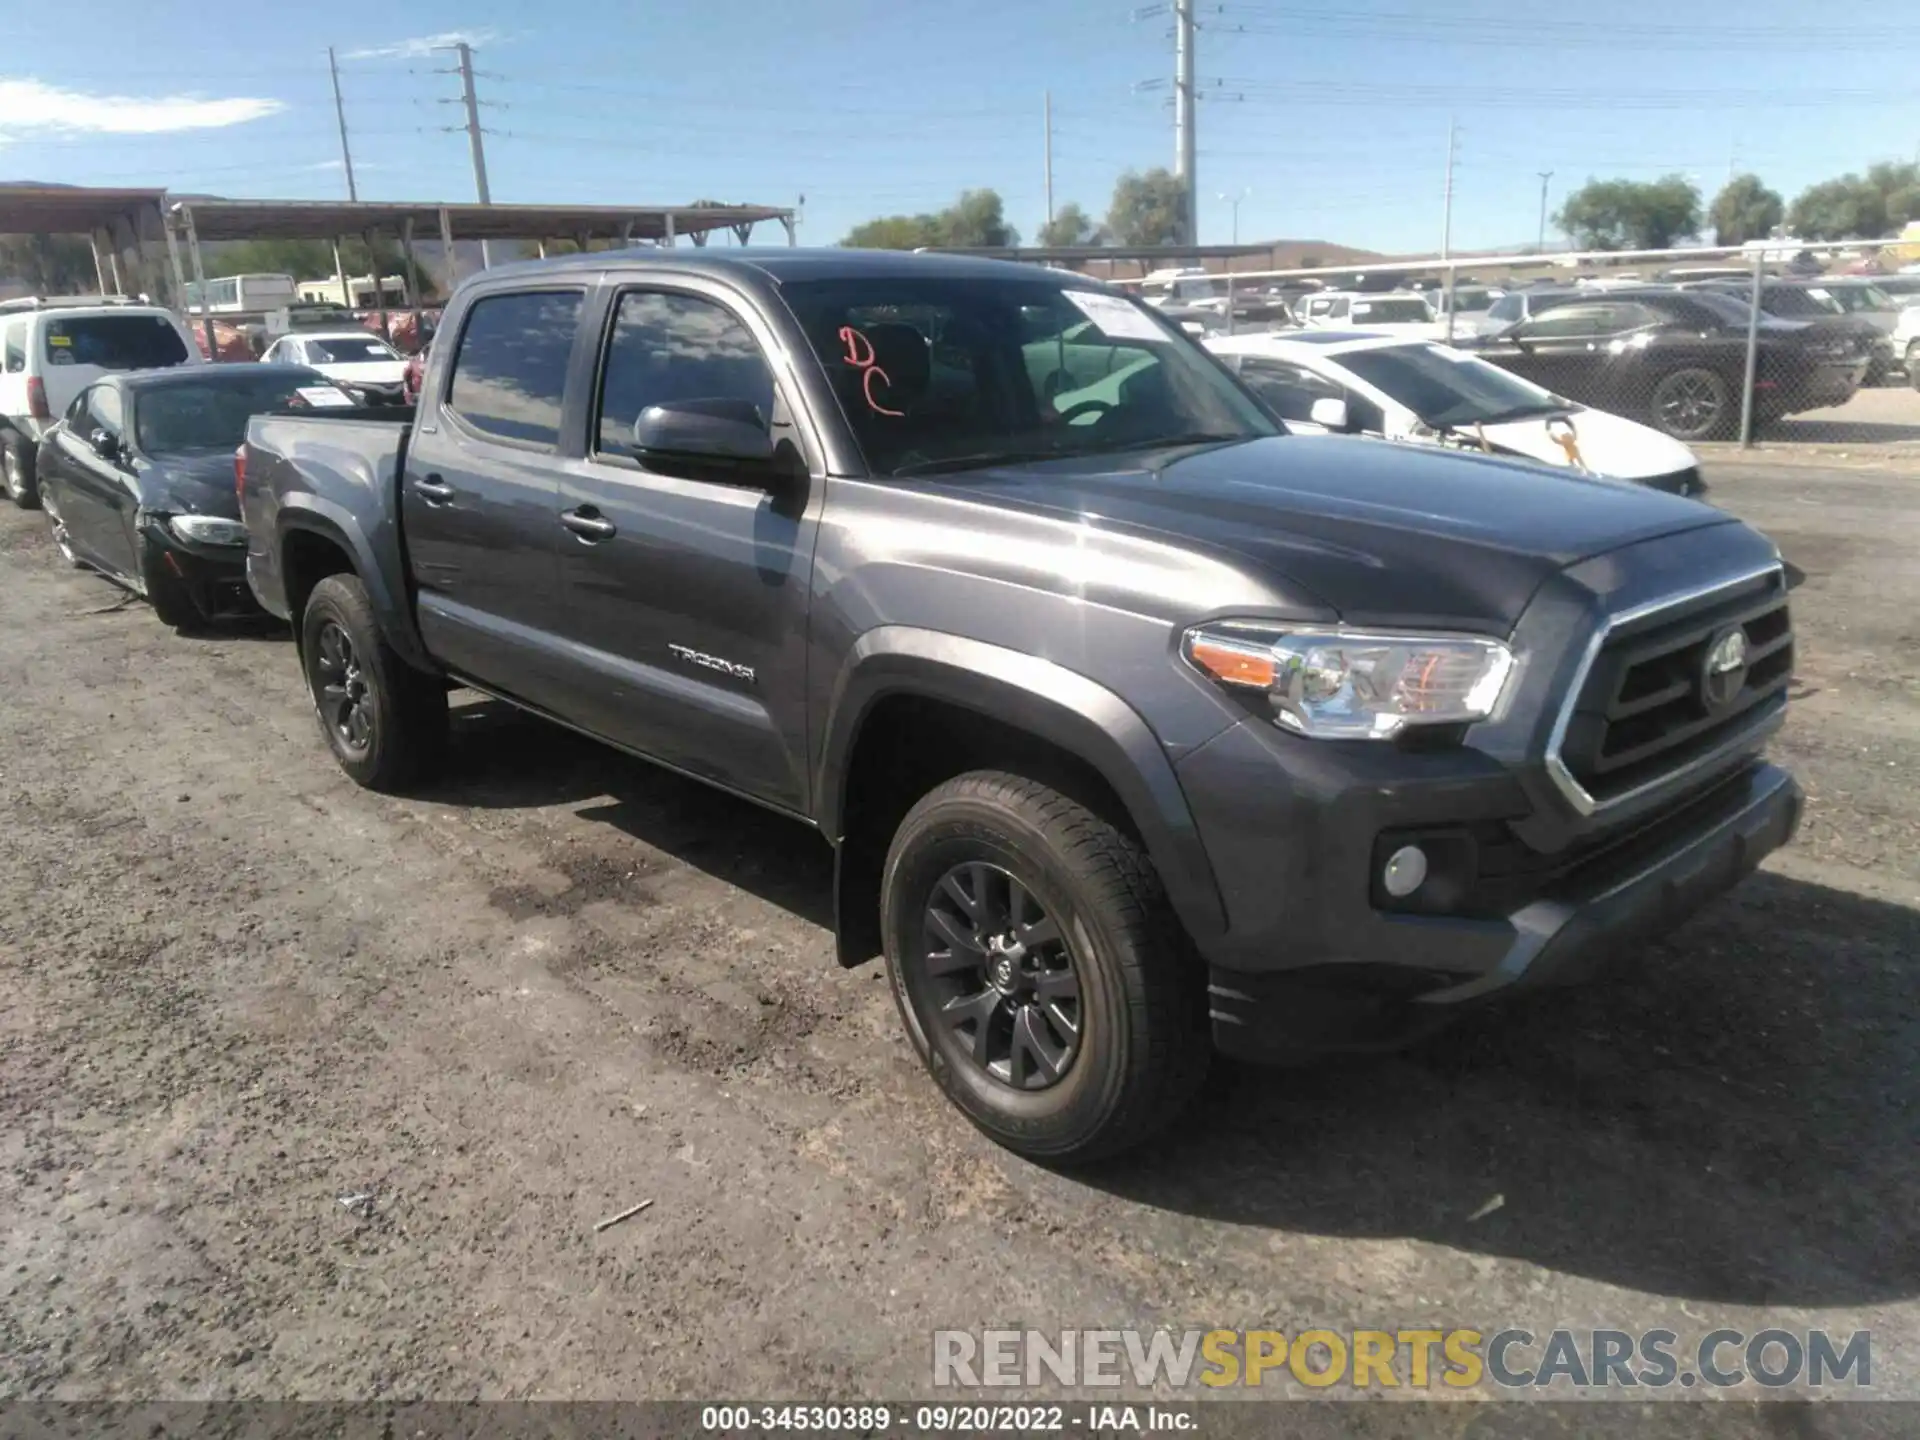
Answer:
x=1796 y=300
x=412 y=376
x=1471 y=305
x=365 y=366
x=1676 y=358
x=1328 y=382
x=50 y=352
x=1404 y=313
x=1860 y=296
x=138 y=483
x=1906 y=343
x=1517 y=305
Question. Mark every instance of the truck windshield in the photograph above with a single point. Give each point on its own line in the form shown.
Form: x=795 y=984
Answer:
x=942 y=373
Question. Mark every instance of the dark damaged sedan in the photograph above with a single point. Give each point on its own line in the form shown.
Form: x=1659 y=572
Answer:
x=137 y=480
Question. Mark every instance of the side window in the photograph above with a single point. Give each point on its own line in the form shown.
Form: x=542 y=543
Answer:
x=103 y=410
x=1507 y=308
x=1339 y=309
x=674 y=349
x=16 y=347
x=1288 y=390
x=1569 y=322
x=76 y=416
x=510 y=371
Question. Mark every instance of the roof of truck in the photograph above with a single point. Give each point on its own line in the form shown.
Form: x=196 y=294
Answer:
x=783 y=263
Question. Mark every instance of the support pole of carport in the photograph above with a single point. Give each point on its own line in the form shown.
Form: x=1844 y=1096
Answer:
x=626 y=234
x=99 y=261
x=540 y=248
x=200 y=279
x=666 y=237
x=793 y=231
x=173 y=257
x=446 y=249
x=113 y=266
x=340 y=276
x=743 y=233
x=412 y=273
x=585 y=240
x=379 y=283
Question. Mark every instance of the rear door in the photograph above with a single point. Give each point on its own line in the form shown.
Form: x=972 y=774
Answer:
x=686 y=585
x=480 y=493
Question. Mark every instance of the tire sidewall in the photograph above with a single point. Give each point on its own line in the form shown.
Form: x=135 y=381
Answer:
x=166 y=592
x=324 y=606
x=19 y=458
x=1063 y=1116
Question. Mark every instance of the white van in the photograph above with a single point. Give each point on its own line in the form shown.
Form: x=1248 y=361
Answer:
x=49 y=354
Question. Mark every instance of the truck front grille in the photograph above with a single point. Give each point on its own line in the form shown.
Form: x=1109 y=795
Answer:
x=1662 y=692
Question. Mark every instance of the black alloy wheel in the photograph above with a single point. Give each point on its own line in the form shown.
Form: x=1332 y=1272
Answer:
x=1691 y=404
x=340 y=689
x=1002 y=975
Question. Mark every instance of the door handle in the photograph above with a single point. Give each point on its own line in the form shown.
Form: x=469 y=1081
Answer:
x=587 y=523
x=433 y=489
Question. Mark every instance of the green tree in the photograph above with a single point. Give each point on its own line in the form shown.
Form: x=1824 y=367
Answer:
x=1071 y=225
x=1745 y=210
x=977 y=219
x=49 y=264
x=1855 y=206
x=1148 y=209
x=1631 y=214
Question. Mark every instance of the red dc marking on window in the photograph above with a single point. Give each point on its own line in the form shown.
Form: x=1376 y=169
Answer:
x=860 y=355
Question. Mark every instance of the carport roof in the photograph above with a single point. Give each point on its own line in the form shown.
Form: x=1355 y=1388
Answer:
x=69 y=209
x=216 y=219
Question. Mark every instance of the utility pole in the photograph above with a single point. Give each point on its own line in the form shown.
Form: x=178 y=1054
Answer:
x=1047 y=107
x=1183 y=135
x=1446 y=227
x=1541 y=247
x=474 y=142
x=1234 y=201
x=340 y=114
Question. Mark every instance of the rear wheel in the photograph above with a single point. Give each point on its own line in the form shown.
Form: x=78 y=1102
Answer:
x=1694 y=404
x=385 y=721
x=1039 y=969
x=16 y=466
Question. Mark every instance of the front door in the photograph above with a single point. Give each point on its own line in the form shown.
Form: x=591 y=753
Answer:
x=480 y=489
x=686 y=584
x=96 y=494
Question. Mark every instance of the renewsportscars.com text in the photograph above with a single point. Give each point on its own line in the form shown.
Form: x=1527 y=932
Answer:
x=1418 y=1359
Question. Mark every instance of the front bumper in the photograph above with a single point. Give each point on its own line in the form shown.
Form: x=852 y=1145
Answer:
x=214 y=575
x=1581 y=915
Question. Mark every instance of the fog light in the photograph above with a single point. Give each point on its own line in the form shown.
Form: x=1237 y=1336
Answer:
x=1406 y=871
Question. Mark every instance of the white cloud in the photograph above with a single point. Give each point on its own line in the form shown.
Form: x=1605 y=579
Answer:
x=30 y=105
x=358 y=165
x=422 y=46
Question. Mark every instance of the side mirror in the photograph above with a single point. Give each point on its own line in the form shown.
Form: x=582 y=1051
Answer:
x=1329 y=414
x=104 y=445
x=723 y=429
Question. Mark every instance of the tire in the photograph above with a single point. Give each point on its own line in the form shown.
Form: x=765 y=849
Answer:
x=1103 y=1018
x=1694 y=404
x=167 y=593
x=17 y=471
x=385 y=721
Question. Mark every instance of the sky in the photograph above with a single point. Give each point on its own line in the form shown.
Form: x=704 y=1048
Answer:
x=1316 y=121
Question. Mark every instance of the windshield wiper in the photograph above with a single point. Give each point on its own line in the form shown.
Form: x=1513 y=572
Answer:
x=943 y=464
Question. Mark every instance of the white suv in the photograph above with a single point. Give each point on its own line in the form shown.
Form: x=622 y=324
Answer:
x=1906 y=341
x=51 y=351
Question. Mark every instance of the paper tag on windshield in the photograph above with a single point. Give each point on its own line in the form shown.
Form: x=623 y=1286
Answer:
x=1117 y=318
x=322 y=397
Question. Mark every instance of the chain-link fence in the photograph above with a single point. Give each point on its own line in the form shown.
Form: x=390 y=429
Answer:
x=1780 y=343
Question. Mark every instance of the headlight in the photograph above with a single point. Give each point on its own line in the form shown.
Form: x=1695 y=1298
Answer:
x=208 y=530
x=1356 y=684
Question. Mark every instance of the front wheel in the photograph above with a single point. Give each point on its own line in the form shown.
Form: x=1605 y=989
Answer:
x=1694 y=404
x=16 y=466
x=385 y=721
x=1039 y=969
x=167 y=592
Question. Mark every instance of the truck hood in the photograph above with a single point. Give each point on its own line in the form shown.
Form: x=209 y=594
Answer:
x=1384 y=534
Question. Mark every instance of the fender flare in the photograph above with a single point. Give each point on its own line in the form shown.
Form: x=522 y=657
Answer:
x=1046 y=700
x=315 y=515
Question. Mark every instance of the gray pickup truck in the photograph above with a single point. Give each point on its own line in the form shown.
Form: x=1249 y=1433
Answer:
x=1140 y=728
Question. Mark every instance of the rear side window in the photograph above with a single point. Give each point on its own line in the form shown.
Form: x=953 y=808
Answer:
x=510 y=372
x=15 y=345
x=104 y=412
x=668 y=349
x=115 y=342
x=1507 y=307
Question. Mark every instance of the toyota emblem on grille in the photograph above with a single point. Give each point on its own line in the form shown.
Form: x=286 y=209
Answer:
x=1724 y=674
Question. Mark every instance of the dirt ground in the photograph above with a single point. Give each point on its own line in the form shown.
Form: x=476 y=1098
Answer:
x=239 y=992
